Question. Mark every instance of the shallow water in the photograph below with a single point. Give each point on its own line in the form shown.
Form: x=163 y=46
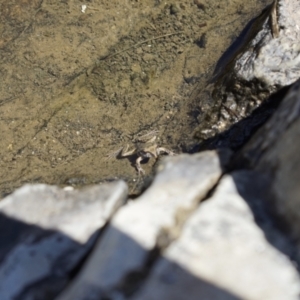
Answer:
x=77 y=86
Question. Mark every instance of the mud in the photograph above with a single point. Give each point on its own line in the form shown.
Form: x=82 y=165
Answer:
x=76 y=86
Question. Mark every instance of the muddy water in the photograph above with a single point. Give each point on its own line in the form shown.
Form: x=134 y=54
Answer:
x=76 y=86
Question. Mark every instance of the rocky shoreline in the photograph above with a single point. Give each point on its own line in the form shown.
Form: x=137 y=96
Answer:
x=218 y=224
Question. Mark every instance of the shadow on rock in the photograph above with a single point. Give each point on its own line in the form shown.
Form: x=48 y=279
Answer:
x=120 y=268
x=36 y=263
x=255 y=188
x=239 y=133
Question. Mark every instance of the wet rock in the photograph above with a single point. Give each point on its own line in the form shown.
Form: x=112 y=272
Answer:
x=151 y=222
x=274 y=150
x=48 y=231
x=222 y=253
x=237 y=135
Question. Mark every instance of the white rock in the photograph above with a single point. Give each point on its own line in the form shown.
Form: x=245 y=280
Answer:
x=274 y=60
x=153 y=220
x=76 y=213
x=222 y=254
x=47 y=232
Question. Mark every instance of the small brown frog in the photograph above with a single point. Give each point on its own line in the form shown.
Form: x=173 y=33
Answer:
x=145 y=147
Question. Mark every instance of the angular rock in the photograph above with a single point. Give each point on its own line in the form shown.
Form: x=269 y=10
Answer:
x=223 y=254
x=46 y=231
x=273 y=56
x=274 y=150
x=153 y=220
x=262 y=60
x=270 y=56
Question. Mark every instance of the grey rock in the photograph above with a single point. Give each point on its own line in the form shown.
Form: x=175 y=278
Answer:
x=151 y=221
x=273 y=56
x=222 y=253
x=48 y=231
x=164 y=244
x=268 y=51
x=262 y=60
x=274 y=150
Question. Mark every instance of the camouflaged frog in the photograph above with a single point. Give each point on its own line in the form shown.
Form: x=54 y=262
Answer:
x=145 y=146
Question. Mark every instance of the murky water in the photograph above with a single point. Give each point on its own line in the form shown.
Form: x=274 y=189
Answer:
x=77 y=86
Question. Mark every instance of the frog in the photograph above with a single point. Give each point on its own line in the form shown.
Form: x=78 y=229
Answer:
x=145 y=147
